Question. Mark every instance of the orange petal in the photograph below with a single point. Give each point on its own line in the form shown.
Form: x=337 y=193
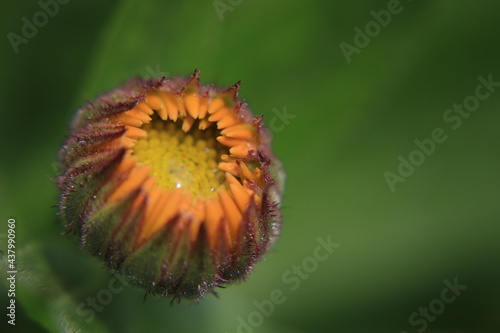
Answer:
x=185 y=204
x=198 y=213
x=241 y=131
x=230 y=167
x=229 y=120
x=203 y=107
x=231 y=212
x=228 y=158
x=144 y=108
x=187 y=124
x=180 y=106
x=230 y=142
x=240 y=150
x=141 y=115
x=134 y=179
x=135 y=132
x=171 y=105
x=214 y=215
x=221 y=113
x=258 y=177
x=130 y=121
x=147 y=187
x=215 y=105
x=245 y=172
x=156 y=200
x=241 y=197
x=128 y=143
x=126 y=164
x=154 y=101
x=204 y=124
x=170 y=209
x=192 y=103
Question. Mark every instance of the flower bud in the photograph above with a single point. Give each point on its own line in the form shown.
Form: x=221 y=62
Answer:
x=172 y=184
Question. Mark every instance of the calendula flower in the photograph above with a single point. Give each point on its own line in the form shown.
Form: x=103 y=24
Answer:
x=172 y=184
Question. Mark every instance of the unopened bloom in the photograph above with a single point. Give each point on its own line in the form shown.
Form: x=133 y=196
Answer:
x=172 y=184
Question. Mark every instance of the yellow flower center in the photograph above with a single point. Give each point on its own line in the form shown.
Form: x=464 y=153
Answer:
x=182 y=160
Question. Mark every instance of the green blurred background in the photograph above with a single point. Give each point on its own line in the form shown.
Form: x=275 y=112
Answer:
x=351 y=122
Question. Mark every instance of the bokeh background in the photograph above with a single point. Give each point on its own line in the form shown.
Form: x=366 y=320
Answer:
x=352 y=120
